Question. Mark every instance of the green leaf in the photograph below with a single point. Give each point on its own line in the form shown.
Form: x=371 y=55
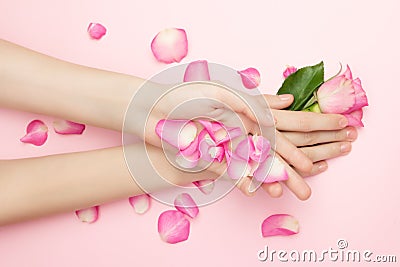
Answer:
x=302 y=85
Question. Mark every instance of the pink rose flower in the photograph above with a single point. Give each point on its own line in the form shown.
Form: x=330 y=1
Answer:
x=343 y=95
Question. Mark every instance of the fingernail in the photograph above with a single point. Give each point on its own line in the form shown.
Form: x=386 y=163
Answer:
x=322 y=166
x=344 y=148
x=285 y=97
x=351 y=134
x=343 y=122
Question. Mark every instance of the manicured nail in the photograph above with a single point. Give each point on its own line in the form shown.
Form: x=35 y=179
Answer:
x=285 y=97
x=343 y=122
x=345 y=147
x=322 y=166
x=351 y=135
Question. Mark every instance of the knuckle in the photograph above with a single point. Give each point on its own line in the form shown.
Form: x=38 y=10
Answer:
x=310 y=138
x=304 y=124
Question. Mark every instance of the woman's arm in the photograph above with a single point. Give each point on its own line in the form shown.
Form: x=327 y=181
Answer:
x=37 y=187
x=37 y=83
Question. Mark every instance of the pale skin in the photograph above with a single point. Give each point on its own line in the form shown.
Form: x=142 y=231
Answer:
x=41 y=186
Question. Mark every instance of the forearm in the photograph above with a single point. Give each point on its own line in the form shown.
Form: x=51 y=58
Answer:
x=37 y=83
x=37 y=187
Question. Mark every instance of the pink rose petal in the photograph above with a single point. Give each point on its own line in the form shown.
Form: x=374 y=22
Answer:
x=255 y=148
x=36 y=133
x=189 y=161
x=96 y=30
x=355 y=118
x=178 y=133
x=271 y=170
x=250 y=78
x=140 y=203
x=197 y=71
x=279 y=224
x=185 y=204
x=68 y=127
x=170 y=45
x=205 y=186
x=89 y=215
x=238 y=167
x=289 y=70
x=173 y=227
x=192 y=148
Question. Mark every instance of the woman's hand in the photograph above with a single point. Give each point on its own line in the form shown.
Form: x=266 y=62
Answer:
x=319 y=136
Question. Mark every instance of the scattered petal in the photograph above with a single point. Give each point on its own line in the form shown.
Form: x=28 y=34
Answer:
x=68 y=127
x=205 y=186
x=170 y=45
x=250 y=78
x=140 y=203
x=289 y=70
x=185 y=204
x=271 y=170
x=279 y=224
x=197 y=71
x=36 y=133
x=178 y=133
x=173 y=227
x=89 y=215
x=96 y=30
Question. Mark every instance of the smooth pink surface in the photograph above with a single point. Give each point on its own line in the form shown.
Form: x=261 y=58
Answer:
x=357 y=199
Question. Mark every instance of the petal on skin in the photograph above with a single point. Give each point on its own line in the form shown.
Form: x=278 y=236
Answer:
x=354 y=118
x=336 y=95
x=261 y=148
x=271 y=170
x=185 y=204
x=36 y=133
x=192 y=148
x=178 y=133
x=217 y=152
x=197 y=71
x=173 y=227
x=96 y=30
x=205 y=186
x=250 y=78
x=205 y=143
x=68 y=127
x=170 y=45
x=212 y=127
x=289 y=70
x=189 y=161
x=279 y=224
x=89 y=215
x=238 y=167
x=227 y=134
x=140 y=203
x=245 y=148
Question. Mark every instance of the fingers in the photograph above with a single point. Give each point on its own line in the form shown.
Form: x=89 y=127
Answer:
x=318 y=168
x=273 y=189
x=296 y=183
x=319 y=137
x=327 y=151
x=292 y=154
x=279 y=101
x=308 y=121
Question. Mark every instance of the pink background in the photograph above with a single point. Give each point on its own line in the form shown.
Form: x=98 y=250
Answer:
x=357 y=199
